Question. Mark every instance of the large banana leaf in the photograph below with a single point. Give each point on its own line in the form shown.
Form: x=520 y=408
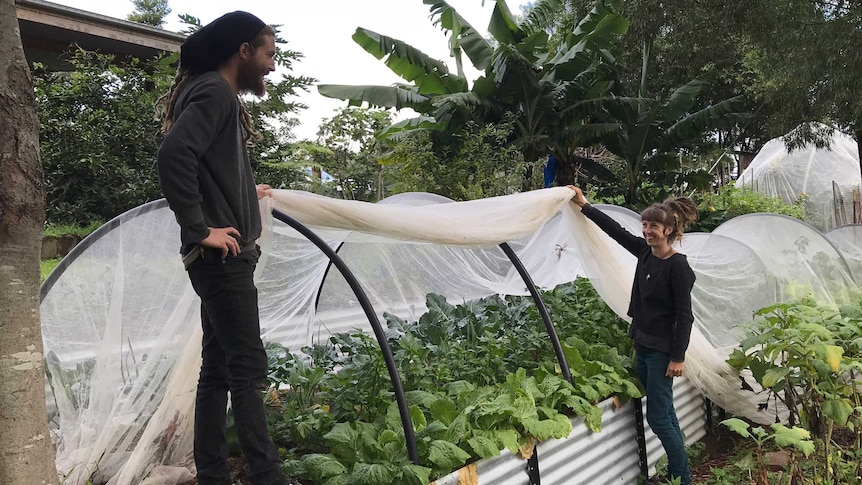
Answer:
x=682 y=99
x=593 y=133
x=542 y=13
x=457 y=101
x=376 y=96
x=621 y=109
x=715 y=116
x=600 y=22
x=503 y=25
x=429 y=75
x=518 y=78
x=464 y=36
x=404 y=127
x=597 y=30
x=595 y=169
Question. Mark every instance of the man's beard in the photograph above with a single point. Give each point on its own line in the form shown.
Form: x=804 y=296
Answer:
x=250 y=79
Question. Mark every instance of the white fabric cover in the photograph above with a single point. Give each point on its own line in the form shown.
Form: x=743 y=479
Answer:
x=122 y=332
x=848 y=240
x=811 y=171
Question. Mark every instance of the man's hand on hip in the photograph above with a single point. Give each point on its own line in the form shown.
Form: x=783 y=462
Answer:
x=224 y=238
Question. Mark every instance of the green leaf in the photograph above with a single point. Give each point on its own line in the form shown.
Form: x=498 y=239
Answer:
x=388 y=436
x=483 y=447
x=464 y=36
x=444 y=410
x=759 y=368
x=593 y=419
x=415 y=475
x=797 y=437
x=439 y=308
x=717 y=115
x=573 y=357
x=839 y=410
x=418 y=418
x=774 y=376
x=631 y=389
x=590 y=392
x=738 y=426
x=831 y=354
x=503 y=26
x=447 y=455
x=393 y=416
x=373 y=474
x=524 y=407
x=344 y=441
x=506 y=438
x=322 y=467
x=435 y=430
x=683 y=99
x=422 y=398
x=410 y=125
x=545 y=429
x=429 y=75
x=338 y=480
x=378 y=96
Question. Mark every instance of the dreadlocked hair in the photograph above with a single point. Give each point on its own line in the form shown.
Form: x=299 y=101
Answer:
x=250 y=135
x=166 y=102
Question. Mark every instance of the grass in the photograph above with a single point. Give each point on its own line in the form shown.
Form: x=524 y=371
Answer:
x=56 y=230
x=53 y=229
x=47 y=266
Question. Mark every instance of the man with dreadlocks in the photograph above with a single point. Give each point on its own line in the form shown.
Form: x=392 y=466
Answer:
x=205 y=174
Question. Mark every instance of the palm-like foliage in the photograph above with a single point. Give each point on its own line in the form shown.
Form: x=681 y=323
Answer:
x=646 y=132
x=541 y=89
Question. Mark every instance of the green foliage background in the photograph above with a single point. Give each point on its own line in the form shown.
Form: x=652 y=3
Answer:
x=98 y=135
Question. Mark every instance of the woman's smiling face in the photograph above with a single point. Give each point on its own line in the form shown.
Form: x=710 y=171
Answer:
x=655 y=233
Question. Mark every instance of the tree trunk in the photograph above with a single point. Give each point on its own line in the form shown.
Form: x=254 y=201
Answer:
x=857 y=133
x=632 y=190
x=26 y=454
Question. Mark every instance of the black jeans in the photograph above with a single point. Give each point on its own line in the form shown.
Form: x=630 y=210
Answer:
x=233 y=360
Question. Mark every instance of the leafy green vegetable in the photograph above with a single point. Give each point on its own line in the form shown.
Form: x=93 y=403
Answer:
x=479 y=377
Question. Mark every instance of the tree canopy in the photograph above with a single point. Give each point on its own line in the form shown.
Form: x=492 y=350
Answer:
x=564 y=84
x=540 y=89
x=150 y=12
x=98 y=130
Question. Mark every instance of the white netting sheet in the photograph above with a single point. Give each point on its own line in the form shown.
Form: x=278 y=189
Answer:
x=848 y=240
x=122 y=331
x=799 y=258
x=823 y=175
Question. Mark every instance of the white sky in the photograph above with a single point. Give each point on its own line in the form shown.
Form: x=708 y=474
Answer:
x=321 y=30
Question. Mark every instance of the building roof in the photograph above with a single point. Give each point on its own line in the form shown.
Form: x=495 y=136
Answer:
x=48 y=29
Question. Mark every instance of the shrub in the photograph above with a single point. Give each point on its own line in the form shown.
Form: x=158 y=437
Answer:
x=729 y=202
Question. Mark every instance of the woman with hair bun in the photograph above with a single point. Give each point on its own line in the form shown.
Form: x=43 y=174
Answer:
x=660 y=309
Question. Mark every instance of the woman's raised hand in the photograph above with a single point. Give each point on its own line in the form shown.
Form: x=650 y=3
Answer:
x=579 y=196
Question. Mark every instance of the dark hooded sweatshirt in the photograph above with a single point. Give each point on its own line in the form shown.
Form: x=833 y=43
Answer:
x=660 y=305
x=203 y=165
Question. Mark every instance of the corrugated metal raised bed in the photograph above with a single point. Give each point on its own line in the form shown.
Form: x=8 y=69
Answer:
x=609 y=457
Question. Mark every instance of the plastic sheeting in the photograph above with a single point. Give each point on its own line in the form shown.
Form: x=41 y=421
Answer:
x=810 y=171
x=848 y=240
x=122 y=332
x=799 y=259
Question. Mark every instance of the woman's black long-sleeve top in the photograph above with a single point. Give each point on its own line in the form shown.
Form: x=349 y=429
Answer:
x=660 y=304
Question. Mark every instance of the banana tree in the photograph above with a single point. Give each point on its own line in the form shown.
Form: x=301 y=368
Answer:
x=649 y=132
x=519 y=76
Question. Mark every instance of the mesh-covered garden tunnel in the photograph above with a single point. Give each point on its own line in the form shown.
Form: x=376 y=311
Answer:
x=121 y=323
